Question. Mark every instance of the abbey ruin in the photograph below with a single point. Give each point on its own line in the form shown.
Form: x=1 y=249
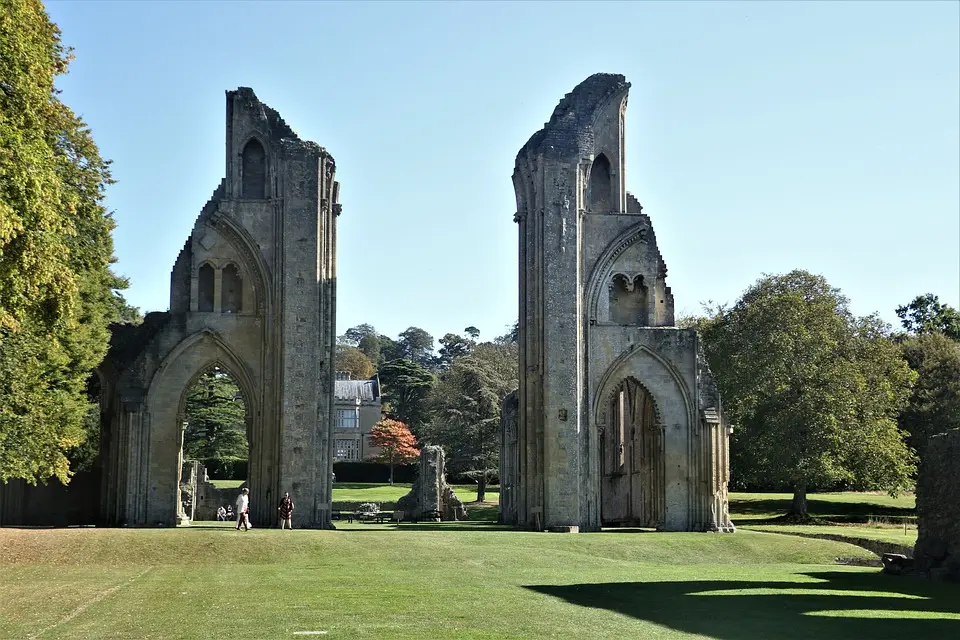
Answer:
x=617 y=420
x=252 y=292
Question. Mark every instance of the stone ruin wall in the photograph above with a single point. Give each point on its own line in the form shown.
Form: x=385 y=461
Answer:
x=937 y=551
x=430 y=491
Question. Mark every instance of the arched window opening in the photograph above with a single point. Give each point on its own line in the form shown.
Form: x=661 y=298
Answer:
x=205 y=288
x=231 y=290
x=628 y=301
x=215 y=444
x=632 y=459
x=253 y=171
x=599 y=191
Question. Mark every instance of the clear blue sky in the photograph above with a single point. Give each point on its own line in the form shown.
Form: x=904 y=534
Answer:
x=761 y=137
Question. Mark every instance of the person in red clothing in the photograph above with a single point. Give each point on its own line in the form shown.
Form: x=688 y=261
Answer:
x=286 y=511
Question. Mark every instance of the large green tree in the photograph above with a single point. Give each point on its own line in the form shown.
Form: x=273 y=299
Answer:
x=57 y=293
x=813 y=391
x=365 y=338
x=215 y=416
x=453 y=346
x=466 y=405
x=926 y=314
x=935 y=402
x=354 y=361
x=416 y=344
x=406 y=387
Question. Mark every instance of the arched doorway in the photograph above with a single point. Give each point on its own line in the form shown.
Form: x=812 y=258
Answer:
x=216 y=433
x=631 y=458
x=165 y=409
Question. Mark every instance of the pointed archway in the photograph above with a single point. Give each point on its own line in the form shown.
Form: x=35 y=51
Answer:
x=631 y=458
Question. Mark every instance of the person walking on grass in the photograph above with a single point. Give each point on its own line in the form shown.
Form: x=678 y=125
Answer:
x=286 y=511
x=243 y=505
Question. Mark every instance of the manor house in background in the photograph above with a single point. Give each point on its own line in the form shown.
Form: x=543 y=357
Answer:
x=357 y=408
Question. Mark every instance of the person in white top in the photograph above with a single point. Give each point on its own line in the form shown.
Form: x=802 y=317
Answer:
x=243 y=504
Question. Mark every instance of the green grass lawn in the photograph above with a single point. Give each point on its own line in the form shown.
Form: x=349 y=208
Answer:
x=883 y=533
x=452 y=580
x=845 y=506
x=227 y=484
x=362 y=492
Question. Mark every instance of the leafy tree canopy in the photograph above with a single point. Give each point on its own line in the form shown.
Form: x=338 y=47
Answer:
x=926 y=314
x=57 y=293
x=216 y=418
x=510 y=337
x=397 y=444
x=354 y=361
x=466 y=404
x=406 y=385
x=417 y=345
x=453 y=346
x=813 y=391
x=935 y=402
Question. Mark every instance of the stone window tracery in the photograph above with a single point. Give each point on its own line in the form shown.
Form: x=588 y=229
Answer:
x=628 y=300
x=600 y=188
x=205 y=288
x=253 y=171
x=231 y=290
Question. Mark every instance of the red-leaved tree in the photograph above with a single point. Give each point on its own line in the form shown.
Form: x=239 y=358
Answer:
x=396 y=443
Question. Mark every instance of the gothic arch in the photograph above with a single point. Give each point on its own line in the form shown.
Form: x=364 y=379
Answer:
x=164 y=404
x=206 y=287
x=602 y=272
x=675 y=414
x=629 y=363
x=231 y=288
x=250 y=259
x=632 y=456
x=600 y=185
x=628 y=302
x=225 y=355
x=253 y=169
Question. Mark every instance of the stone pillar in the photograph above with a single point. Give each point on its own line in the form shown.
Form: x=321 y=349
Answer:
x=218 y=290
x=562 y=344
x=509 y=459
x=937 y=551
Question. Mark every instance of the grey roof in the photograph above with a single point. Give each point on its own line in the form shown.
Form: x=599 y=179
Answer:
x=366 y=390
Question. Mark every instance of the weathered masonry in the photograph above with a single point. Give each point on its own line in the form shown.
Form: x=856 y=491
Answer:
x=617 y=420
x=252 y=292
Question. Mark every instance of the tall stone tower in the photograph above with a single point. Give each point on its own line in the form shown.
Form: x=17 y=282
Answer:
x=616 y=421
x=253 y=293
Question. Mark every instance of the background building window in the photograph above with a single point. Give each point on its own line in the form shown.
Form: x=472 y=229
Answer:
x=346 y=419
x=347 y=449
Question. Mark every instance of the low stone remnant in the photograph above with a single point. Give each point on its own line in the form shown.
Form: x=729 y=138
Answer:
x=937 y=552
x=431 y=498
x=896 y=563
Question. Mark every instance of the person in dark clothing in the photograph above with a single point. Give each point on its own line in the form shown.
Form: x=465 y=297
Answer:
x=286 y=511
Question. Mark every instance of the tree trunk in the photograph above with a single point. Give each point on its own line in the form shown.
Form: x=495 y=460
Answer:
x=481 y=487
x=799 y=506
x=391 y=469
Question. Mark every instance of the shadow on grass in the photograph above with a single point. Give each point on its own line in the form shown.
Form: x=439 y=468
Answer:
x=833 y=510
x=876 y=606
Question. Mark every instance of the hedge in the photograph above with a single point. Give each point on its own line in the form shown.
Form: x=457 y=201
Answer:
x=375 y=472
